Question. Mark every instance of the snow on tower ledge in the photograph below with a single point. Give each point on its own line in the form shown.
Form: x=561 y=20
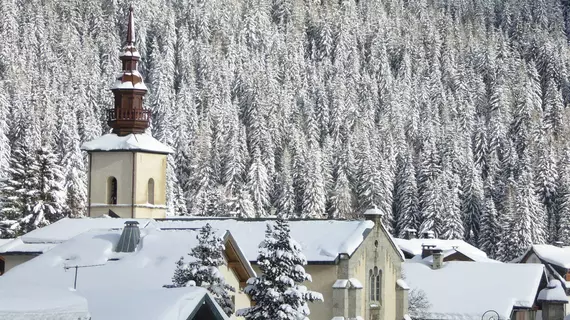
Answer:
x=131 y=142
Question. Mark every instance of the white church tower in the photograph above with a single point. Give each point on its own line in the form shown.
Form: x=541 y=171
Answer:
x=127 y=168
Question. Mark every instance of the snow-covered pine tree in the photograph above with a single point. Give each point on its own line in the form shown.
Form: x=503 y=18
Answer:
x=452 y=224
x=48 y=203
x=490 y=227
x=405 y=197
x=17 y=190
x=277 y=291
x=204 y=271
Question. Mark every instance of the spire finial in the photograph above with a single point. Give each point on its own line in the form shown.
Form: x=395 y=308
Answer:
x=131 y=27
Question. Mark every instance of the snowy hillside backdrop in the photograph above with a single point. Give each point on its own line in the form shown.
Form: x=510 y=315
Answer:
x=448 y=115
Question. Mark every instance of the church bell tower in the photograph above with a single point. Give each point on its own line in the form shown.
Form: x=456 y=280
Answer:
x=127 y=168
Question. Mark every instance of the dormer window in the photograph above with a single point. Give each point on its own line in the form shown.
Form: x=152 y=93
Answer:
x=150 y=191
x=112 y=190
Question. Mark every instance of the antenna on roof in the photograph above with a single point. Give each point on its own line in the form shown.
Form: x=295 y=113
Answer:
x=76 y=267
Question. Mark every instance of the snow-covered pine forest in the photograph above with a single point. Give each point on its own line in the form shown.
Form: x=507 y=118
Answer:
x=448 y=115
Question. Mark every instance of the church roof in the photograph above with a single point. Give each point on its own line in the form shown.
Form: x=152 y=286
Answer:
x=322 y=241
x=131 y=142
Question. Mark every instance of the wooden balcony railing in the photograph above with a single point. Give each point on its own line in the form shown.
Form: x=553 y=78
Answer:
x=128 y=115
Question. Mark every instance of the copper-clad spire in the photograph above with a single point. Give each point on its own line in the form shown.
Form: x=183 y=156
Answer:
x=129 y=116
x=131 y=28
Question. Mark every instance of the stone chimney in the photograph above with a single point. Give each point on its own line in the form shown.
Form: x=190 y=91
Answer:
x=411 y=233
x=559 y=244
x=553 y=300
x=427 y=250
x=130 y=237
x=428 y=234
x=437 y=259
x=375 y=215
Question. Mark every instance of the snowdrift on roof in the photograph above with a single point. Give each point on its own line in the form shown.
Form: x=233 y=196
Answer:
x=465 y=290
x=37 y=302
x=321 y=240
x=138 y=142
x=156 y=304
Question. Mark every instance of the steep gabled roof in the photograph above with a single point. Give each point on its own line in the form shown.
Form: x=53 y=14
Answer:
x=558 y=256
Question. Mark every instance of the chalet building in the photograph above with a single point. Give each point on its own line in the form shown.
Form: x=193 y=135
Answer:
x=452 y=250
x=556 y=261
x=481 y=290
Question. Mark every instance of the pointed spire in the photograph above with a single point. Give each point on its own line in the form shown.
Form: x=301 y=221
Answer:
x=129 y=115
x=131 y=28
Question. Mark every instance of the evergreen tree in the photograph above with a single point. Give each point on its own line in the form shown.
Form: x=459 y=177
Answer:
x=406 y=197
x=277 y=292
x=204 y=271
x=490 y=228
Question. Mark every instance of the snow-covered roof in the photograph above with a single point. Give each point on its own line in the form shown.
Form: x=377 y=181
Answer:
x=559 y=256
x=465 y=290
x=132 y=142
x=553 y=292
x=154 y=304
x=321 y=240
x=414 y=246
x=4 y=241
x=37 y=302
x=44 y=239
x=470 y=254
x=150 y=266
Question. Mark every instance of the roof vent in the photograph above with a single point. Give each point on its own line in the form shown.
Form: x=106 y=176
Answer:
x=129 y=238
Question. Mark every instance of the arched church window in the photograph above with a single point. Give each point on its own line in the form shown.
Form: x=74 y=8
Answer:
x=112 y=190
x=378 y=286
x=375 y=283
x=150 y=191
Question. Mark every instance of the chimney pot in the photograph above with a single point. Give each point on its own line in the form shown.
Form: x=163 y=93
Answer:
x=427 y=250
x=411 y=234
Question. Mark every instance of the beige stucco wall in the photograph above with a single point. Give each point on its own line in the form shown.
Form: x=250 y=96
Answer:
x=241 y=299
x=324 y=276
x=120 y=165
x=15 y=260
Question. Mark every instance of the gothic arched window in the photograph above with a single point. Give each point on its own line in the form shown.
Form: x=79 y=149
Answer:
x=150 y=191
x=375 y=281
x=112 y=190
